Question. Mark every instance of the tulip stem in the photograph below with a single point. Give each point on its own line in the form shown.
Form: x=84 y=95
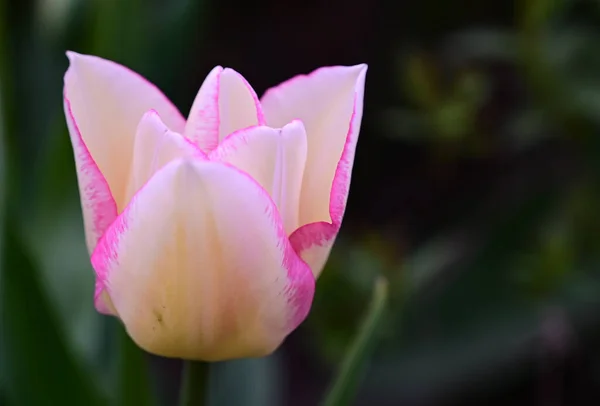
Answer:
x=351 y=371
x=194 y=384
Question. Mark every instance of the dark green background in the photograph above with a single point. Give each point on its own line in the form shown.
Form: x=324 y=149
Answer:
x=476 y=192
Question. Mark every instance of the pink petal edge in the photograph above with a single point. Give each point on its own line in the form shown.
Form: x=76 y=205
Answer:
x=322 y=232
x=260 y=115
x=232 y=141
x=209 y=114
x=215 y=92
x=169 y=103
x=197 y=151
x=104 y=211
x=101 y=276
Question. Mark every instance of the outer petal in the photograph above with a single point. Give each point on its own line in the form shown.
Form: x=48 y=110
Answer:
x=107 y=102
x=275 y=158
x=198 y=266
x=97 y=204
x=330 y=103
x=155 y=146
x=225 y=103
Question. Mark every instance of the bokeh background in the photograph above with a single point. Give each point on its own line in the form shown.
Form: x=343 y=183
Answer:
x=476 y=192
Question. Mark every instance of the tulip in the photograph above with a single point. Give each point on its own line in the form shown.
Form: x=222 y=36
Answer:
x=207 y=234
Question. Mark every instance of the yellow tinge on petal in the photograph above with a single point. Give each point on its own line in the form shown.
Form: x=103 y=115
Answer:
x=199 y=267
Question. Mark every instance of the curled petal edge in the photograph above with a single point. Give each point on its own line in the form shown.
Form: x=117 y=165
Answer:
x=314 y=241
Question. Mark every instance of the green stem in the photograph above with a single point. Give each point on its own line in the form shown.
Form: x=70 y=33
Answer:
x=194 y=384
x=351 y=371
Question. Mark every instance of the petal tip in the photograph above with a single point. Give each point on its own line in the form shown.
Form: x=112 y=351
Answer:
x=228 y=70
x=75 y=57
x=362 y=74
x=359 y=70
x=151 y=114
x=71 y=55
x=295 y=124
x=362 y=66
x=151 y=118
x=75 y=60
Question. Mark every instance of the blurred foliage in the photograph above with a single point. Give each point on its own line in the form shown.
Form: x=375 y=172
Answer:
x=346 y=384
x=475 y=193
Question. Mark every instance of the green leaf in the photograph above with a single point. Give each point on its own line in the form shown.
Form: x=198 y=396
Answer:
x=346 y=384
x=42 y=368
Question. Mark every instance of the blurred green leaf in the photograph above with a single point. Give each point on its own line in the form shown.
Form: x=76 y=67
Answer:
x=405 y=124
x=538 y=13
x=3 y=368
x=351 y=371
x=133 y=386
x=345 y=288
x=527 y=128
x=495 y=350
x=118 y=30
x=480 y=44
x=178 y=26
x=54 y=235
x=422 y=81
x=194 y=383
x=465 y=313
x=52 y=16
x=452 y=119
x=548 y=84
x=247 y=382
x=43 y=369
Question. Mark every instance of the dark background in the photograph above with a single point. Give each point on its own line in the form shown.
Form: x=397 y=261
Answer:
x=476 y=192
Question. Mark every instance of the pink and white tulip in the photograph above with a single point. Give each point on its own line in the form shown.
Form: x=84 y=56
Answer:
x=207 y=234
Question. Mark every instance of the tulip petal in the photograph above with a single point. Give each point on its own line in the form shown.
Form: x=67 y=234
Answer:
x=97 y=204
x=225 y=103
x=275 y=158
x=198 y=266
x=329 y=102
x=155 y=146
x=107 y=102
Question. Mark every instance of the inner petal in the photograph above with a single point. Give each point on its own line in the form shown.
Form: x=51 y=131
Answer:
x=275 y=158
x=155 y=146
x=238 y=104
x=107 y=101
x=225 y=103
x=329 y=101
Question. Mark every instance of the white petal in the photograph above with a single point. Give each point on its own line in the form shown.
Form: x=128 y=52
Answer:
x=97 y=203
x=198 y=266
x=225 y=103
x=329 y=103
x=275 y=158
x=107 y=102
x=155 y=146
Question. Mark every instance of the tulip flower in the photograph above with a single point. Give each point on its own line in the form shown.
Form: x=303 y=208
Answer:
x=207 y=234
